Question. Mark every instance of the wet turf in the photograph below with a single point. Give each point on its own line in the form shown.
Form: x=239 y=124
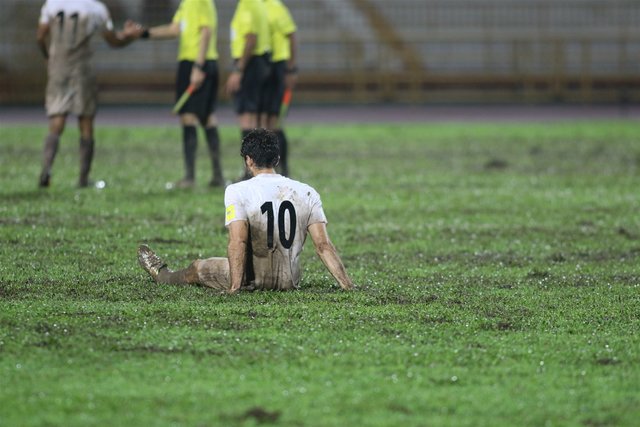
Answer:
x=498 y=265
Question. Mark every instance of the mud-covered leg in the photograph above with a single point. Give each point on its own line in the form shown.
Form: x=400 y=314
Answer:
x=213 y=273
x=87 y=144
x=51 y=143
x=210 y=272
x=86 y=157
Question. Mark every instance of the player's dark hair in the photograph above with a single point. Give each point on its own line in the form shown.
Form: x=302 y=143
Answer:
x=263 y=148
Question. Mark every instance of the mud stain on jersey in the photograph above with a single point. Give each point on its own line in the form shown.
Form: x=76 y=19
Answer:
x=286 y=193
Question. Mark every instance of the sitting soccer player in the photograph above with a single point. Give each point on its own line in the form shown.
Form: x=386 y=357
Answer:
x=268 y=217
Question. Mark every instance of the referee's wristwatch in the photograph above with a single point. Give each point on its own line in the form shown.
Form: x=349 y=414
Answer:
x=199 y=67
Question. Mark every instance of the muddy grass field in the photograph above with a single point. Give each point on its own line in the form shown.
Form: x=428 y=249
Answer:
x=498 y=269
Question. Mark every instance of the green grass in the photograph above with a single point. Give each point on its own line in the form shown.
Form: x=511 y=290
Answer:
x=498 y=270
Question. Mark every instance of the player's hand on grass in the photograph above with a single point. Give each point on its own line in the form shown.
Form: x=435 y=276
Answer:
x=233 y=290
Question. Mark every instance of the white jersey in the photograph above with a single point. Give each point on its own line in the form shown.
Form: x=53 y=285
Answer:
x=72 y=23
x=279 y=210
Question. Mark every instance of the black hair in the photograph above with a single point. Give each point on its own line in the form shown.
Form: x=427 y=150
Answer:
x=263 y=148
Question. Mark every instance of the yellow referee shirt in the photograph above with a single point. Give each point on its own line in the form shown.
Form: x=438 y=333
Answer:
x=281 y=25
x=250 y=18
x=192 y=16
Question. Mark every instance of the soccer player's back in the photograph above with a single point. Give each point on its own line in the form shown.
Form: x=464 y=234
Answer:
x=74 y=23
x=279 y=210
x=268 y=218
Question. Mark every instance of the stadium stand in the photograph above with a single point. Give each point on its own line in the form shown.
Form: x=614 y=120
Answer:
x=370 y=51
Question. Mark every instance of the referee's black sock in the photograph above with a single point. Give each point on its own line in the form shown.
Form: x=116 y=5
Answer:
x=282 y=142
x=213 y=140
x=189 y=146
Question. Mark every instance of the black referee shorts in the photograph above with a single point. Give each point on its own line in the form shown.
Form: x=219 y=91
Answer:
x=250 y=96
x=274 y=89
x=202 y=102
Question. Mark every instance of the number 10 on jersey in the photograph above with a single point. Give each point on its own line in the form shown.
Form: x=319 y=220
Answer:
x=285 y=207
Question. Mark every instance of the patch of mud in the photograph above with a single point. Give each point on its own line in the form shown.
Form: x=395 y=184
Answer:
x=165 y=241
x=261 y=415
x=496 y=164
x=156 y=349
x=627 y=234
x=396 y=407
x=391 y=299
x=608 y=361
x=557 y=257
x=538 y=274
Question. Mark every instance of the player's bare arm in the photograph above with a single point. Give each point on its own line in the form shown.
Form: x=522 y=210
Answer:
x=131 y=31
x=233 y=82
x=197 y=72
x=328 y=254
x=42 y=37
x=237 y=253
x=167 y=31
x=291 y=75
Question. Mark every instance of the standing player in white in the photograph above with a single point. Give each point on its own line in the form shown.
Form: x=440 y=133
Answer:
x=268 y=217
x=64 y=36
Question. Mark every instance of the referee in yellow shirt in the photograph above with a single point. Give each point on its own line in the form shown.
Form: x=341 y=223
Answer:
x=250 y=48
x=283 y=72
x=196 y=23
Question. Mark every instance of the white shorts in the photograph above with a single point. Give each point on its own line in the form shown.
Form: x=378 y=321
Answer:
x=71 y=93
